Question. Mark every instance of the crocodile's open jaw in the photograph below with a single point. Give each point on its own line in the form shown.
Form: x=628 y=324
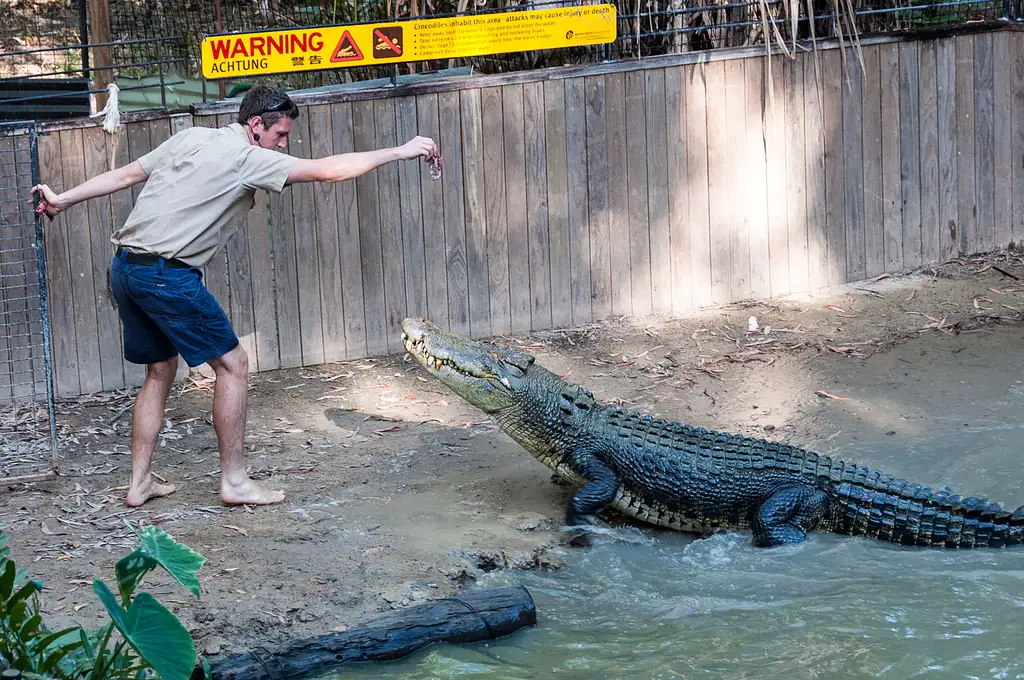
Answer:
x=482 y=374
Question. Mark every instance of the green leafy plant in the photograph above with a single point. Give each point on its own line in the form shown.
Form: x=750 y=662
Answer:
x=150 y=638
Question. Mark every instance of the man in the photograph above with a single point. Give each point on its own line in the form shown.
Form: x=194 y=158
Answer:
x=199 y=186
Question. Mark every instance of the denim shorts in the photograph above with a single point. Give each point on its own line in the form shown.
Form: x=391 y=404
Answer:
x=168 y=311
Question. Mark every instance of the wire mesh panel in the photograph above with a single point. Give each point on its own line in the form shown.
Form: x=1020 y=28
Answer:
x=27 y=426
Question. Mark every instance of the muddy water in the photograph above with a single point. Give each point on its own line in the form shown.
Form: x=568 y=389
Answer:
x=646 y=604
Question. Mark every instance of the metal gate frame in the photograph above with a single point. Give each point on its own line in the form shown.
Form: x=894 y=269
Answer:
x=33 y=227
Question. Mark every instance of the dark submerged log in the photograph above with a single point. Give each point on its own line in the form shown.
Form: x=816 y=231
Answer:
x=471 y=617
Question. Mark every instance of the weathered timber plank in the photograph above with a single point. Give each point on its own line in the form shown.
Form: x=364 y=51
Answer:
x=910 y=154
x=853 y=171
x=535 y=136
x=579 y=217
x=368 y=200
x=328 y=250
x=796 y=181
x=967 y=192
x=496 y=210
x=892 y=203
x=984 y=140
x=834 y=88
x=736 y=230
x=600 y=264
x=476 y=217
x=1002 y=61
x=514 y=132
x=349 y=248
x=721 y=210
x=657 y=193
x=618 y=195
x=777 y=180
x=432 y=200
x=1016 y=141
x=933 y=241
x=678 y=190
x=814 y=171
x=558 y=203
x=410 y=177
x=392 y=246
x=454 y=213
x=871 y=112
x=755 y=181
x=698 y=184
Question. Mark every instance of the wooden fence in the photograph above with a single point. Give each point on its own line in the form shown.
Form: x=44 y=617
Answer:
x=570 y=195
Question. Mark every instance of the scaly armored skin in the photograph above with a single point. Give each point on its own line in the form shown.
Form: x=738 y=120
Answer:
x=692 y=479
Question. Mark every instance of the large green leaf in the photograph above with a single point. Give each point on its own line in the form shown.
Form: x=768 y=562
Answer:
x=153 y=631
x=156 y=547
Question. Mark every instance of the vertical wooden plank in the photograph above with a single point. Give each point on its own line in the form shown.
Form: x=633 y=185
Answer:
x=966 y=148
x=755 y=181
x=410 y=177
x=722 y=217
x=392 y=247
x=678 y=191
x=1017 y=141
x=514 y=132
x=892 y=205
x=698 y=183
x=432 y=199
x=286 y=277
x=814 y=155
x=737 y=228
x=618 y=196
x=374 y=310
x=1003 y=76
x=64 y=346
x=931 y=231
x=495 y=210
x=796 y=177
x=939 y=240
x=853 y=171
x=476 y=219
x=636 y=188
x=657 y=193
x=83 y=289
x=579 y=217
x=835 y=95
x=777 y=180
x=910 y=153
x=984 y=140
x=454 y=212
x=328 y=246
x=111 y=359
x=874 y=233
x=597 y=189
x=304 y=215
x=349 y=247
x=535 y=134
x=558 y=203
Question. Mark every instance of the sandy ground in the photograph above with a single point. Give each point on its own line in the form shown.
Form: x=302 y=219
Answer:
x=399 y=492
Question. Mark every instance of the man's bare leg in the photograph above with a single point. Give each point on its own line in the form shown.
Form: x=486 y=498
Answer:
x=230 y=400
x=147 y=419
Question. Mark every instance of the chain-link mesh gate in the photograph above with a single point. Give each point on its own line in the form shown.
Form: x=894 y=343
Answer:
x=27 y=424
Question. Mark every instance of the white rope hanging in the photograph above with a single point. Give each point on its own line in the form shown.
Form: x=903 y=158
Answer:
x=111 y=114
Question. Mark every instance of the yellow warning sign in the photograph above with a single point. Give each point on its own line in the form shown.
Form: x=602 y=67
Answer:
x=312 y=49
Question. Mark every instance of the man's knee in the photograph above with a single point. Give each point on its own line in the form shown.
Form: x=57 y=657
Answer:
x=163 y=371
x=235 y=362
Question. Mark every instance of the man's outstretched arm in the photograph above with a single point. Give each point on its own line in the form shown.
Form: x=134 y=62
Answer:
x=52 y=203
x=345 y=166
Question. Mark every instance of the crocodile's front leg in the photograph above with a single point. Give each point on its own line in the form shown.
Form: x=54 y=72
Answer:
x=787 y=515
x=588 y=500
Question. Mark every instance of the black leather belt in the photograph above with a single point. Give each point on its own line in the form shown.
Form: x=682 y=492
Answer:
x=146 y=258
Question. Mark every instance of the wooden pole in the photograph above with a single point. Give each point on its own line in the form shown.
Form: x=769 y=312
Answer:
x=472 y=617
x=99 y=33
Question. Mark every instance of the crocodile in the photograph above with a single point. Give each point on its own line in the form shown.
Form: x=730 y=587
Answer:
x=692 y=479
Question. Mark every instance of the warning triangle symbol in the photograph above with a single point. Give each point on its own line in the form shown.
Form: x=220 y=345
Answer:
x=347 y=49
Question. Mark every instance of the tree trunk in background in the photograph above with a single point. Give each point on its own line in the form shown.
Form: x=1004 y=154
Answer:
x=99 y=32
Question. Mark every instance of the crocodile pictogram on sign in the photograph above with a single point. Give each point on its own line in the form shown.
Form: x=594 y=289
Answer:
x=347 y=49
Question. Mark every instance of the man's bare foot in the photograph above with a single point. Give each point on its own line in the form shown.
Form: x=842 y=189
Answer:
x=249 y=493
x=138 y=495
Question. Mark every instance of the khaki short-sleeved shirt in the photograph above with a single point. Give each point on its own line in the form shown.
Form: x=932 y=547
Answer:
x=201 y=186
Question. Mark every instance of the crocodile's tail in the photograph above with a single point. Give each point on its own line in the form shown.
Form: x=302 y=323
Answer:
x=910 y=514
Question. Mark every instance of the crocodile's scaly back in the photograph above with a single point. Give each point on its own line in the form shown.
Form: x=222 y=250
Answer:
x=692 y=479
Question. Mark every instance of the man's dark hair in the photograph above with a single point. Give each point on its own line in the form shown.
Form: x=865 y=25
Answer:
x=269 y=103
